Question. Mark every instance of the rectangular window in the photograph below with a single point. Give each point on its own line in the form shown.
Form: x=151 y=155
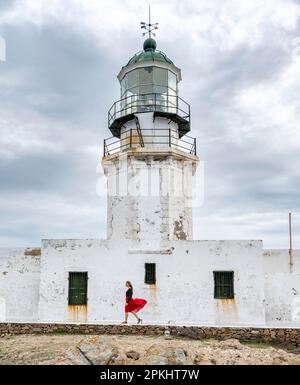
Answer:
x=146 y=89
x=132 y=79
x=78 y=288
x=146 y=75
x=160 y=77
x=224 y=288
x=172 y=81
x=150 y=274
x=123 y=86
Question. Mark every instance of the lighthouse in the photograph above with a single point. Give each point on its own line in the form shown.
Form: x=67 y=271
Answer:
x=150 y=159
x=151 y=165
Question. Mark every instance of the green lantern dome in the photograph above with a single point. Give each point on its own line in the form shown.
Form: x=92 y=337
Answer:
x=149 y=54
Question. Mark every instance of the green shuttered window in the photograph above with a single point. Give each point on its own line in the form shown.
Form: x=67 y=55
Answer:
x=78 y=288
x=150 y=273
x=224 y=284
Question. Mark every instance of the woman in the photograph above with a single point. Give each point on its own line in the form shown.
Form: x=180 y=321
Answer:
x=133 y=305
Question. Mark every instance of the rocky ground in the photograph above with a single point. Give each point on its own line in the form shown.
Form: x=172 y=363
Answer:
x=135 y=350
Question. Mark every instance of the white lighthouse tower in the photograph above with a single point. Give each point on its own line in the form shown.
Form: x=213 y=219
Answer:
x=150 y=160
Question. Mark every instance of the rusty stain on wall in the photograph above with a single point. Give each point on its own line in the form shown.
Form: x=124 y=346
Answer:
x=77 y=313
x=153 y=293
x=153 y=297
x=178 y=230
x=228 y=307
x=33 y=251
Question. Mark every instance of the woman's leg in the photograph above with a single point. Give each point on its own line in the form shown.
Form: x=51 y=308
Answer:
x=136 y=316
x=126 y=318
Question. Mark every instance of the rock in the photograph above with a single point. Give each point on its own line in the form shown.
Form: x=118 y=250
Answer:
x=200 y=359
x=283 y=358
x=99 y=352
x=133 y=354
x=279 y=361
x=181 y=356
x=168 y=353
x=154 y=350
x=157 y=360
x=120 y=359
x=193 y=333
x=231 y=343
x=173 y=356
x=104 y=340
x=75 y=357
x=85 y=347
x=167 y=334
x=104 y=358
x=294 y=360
x=281 y=353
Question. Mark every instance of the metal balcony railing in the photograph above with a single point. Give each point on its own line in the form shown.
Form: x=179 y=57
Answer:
x=162 y=104
x=150 y=138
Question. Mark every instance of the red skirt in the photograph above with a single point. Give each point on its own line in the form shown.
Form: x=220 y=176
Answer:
x=135 y=305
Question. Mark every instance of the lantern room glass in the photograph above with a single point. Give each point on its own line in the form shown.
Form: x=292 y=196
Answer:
x=148 y=86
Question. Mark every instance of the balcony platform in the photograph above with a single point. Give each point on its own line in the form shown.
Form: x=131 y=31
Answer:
x=170 y=107
x=163 y=140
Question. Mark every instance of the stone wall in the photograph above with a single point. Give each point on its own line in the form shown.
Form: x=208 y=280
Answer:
x=282 y=335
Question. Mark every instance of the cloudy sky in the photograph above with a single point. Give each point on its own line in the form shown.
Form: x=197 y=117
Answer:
x=240 y=63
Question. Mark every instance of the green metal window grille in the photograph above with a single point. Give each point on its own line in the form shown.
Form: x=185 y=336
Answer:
x=150 y=273
x=224 y=284
x=78 y=288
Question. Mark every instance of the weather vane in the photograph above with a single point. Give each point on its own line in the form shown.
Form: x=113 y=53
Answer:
x=149 y=27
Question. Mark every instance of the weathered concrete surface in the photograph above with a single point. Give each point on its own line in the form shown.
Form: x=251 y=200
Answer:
x=19 y=283
x=282 y=293
x=277 y=261
x=282 y=285
x=149 y=196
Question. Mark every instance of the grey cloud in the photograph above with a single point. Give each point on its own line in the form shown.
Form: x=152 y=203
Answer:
x=6 y=4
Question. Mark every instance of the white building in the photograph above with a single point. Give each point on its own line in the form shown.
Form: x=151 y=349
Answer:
x=150 y=163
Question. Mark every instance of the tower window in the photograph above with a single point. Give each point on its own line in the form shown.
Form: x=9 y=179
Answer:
x=224 y=284
x=150 y=273
x=78 y=288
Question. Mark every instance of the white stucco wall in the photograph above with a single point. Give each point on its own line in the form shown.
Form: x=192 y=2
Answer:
x=183 y=292
x=264 y=288
x=282 y=286
x=19 y=284
x=282 y=293
x=278 y=261
x=153 y=199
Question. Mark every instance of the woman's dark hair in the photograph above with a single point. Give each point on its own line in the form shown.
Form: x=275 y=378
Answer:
x=129 y=284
